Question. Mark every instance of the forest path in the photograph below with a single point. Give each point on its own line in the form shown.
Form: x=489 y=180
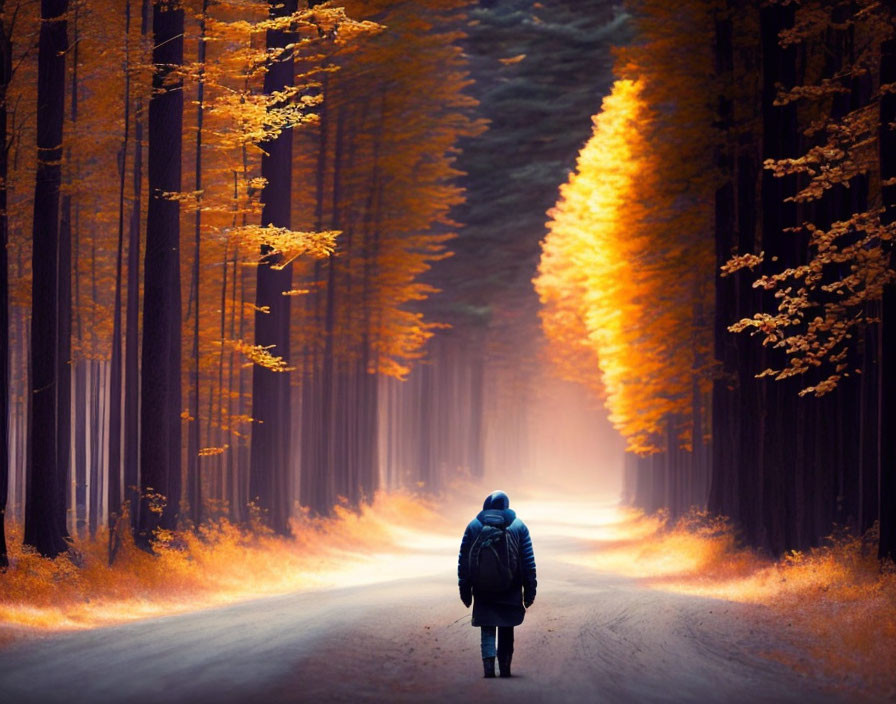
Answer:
x=590 y=636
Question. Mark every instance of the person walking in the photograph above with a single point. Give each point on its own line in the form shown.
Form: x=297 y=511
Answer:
x=496 y=574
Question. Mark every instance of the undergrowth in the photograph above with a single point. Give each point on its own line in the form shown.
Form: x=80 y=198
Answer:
x=220 y=563
x=836 y=602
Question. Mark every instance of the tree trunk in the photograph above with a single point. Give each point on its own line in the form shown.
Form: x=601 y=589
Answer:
x=63 y=360
x=369 y=364
x=23 y=335
x=887 y=363
x=234 y=466
x=115 y=373
x=333 y=442
x=734 y=230
x=270 y=390
x=132 y=316
x=94 y=414
x=64 y=300
x=5 y=77
x=194 y=479
x=477 y=415
x=424 y=438
x=643 y=482
x=44 y=513
x=80 y=459
x=160 y=437
x=777 y=400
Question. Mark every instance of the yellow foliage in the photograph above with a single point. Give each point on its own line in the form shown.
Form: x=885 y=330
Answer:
x=813 y=316
x=836 y=600
x=624 y=277
x=382 y=158
x=220 y=564
x=260 y=355
x=285 y=243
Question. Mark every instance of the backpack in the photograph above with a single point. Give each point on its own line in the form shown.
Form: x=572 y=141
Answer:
x=494 y=559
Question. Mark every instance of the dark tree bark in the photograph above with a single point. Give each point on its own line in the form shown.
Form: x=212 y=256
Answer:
x=194 y=480
x=224 y=468
x=63 y=361
x=369 y=364
x=114 y=492
x=736 y=398
x=748 y=414
x=80 y=459
x=80 y=417
x=242 y=404
x=5 y=78
x=44 y=514
x=316 y=482
x=235 y=464
x=845 y=445
x=869 y=424
x=160 y=437
x=132 y=315
x=23 y=405
x=332 y=442
x=271 y=390
x=724 y=426
x=780 y=139
x=64 y=298
x=887 y=365
x=93 y=427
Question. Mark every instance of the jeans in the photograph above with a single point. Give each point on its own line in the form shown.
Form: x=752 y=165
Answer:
x=504 y=639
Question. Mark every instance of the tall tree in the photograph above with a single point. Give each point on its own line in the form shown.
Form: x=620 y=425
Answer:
x=5 y=78
x=114 y=500
x=625 y=275
x=383 y=160
x=132 y=314
x=887 y=392
x=194 y=479
x=270 y=388
x=823 y=267
x=160 y=415
x=44 y=511
x=736 y=161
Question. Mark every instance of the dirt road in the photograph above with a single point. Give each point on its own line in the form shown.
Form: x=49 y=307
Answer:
x=590 y=637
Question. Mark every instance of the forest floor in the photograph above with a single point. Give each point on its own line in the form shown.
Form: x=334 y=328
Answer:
x=610 y=624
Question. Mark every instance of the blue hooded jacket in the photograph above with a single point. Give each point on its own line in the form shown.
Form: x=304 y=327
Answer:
x=505 y=608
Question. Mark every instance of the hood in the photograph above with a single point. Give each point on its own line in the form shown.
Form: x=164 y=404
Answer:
x=497 y=500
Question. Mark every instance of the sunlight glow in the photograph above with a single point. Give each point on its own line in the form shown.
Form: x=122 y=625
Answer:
x=223 y=565
x=834 y=599
x=619 y=286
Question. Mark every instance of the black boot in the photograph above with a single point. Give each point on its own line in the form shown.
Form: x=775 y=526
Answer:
x=504 y=664
x=488 y=665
